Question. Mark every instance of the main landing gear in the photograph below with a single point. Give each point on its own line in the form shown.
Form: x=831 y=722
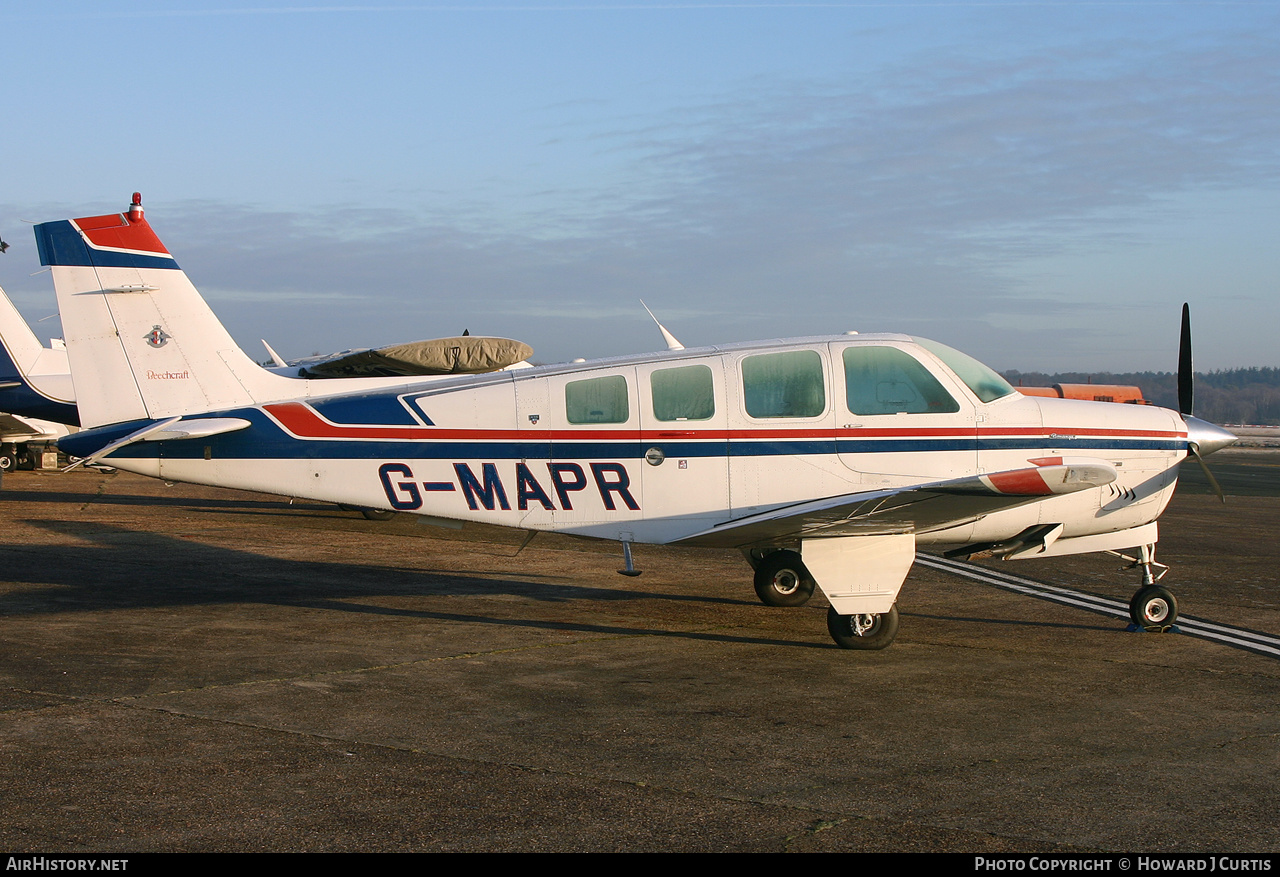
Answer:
x=867 y=632
x=1153 y=608
x=781 y=579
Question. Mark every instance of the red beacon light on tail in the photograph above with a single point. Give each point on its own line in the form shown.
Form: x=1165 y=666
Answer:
x=135 y=208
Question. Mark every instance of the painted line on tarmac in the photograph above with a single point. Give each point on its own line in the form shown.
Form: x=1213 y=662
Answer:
x=1236 y=637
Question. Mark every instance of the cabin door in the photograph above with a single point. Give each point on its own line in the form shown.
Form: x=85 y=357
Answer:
x=900 y=418
x=684 y=462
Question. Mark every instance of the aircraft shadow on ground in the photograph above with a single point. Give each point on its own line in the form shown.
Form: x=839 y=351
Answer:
x=126 y=569
x=248 y=506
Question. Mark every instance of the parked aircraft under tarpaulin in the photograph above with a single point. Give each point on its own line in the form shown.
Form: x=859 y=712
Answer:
x=825 y=460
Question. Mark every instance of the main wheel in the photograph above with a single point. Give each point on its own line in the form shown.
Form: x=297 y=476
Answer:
x=863 y=631
x=378 y=514
x=8 y=462
x=782 y=580
x=1153 y=606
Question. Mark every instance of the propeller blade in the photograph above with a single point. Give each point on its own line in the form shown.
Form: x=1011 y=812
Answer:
x=1194 y=451
x=1200 y=435
x=1186 y=389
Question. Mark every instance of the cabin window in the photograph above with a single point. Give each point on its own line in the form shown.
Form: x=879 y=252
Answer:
x=684 y=393
x=785 y=384
x=886 y=380
x=986 y=384
x=597 y=400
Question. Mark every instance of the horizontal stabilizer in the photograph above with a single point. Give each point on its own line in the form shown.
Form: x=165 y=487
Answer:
x=201 y=427
x=171 y=429
x=14 y=428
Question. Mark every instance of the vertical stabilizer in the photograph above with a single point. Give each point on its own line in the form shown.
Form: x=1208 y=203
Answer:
x=19 y=346
x=142 y=342
x=35 y=381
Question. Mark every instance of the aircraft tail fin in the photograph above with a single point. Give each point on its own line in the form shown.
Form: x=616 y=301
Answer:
x=142 y=342
x=19 y=346
x=35 y=381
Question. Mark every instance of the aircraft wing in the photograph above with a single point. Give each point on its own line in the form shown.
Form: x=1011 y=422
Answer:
x=916 y=509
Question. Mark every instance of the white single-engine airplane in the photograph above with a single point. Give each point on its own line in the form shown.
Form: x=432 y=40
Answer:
x=827 y=461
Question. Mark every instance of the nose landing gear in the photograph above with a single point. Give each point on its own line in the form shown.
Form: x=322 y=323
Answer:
x=1153 y=608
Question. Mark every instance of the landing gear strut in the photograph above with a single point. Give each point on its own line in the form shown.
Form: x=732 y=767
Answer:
x=1153 y=608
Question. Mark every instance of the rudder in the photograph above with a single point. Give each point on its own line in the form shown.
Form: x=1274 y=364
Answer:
x=142 y=342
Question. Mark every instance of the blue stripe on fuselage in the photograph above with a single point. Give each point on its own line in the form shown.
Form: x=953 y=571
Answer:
x=266 y=440
x=1109 y=443
x=375 y=409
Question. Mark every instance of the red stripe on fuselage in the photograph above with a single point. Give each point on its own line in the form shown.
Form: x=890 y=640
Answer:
x=303 y=421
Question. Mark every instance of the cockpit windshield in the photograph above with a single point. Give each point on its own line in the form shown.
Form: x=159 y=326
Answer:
x=986 y=384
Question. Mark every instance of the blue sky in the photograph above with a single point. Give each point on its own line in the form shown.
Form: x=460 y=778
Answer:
x=1039 y=184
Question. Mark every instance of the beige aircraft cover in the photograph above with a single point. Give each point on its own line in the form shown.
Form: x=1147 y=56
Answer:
x=464 y=355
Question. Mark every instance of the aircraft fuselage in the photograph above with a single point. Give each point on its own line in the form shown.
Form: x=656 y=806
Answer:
x=654 y=448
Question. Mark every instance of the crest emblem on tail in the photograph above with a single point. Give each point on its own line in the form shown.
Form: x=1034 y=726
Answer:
x=157 y=337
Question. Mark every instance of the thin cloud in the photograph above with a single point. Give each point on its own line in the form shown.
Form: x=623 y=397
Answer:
x=943 y=195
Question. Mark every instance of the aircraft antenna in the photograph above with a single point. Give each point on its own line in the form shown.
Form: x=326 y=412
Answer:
x=672 y=343
x=275 y=357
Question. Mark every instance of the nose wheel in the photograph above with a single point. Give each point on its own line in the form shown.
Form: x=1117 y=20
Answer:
x=1153 y=608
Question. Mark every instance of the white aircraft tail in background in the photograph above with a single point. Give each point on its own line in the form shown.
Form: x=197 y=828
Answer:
x=35 y=381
